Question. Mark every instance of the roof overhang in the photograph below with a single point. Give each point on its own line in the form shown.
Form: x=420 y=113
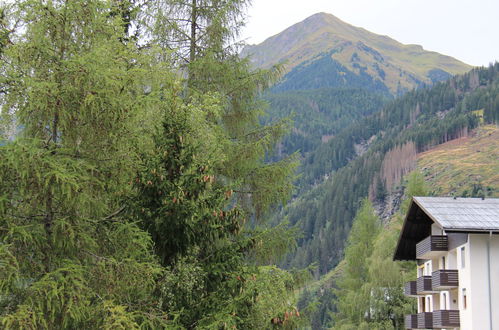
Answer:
x=416 y=227
x=451 y=214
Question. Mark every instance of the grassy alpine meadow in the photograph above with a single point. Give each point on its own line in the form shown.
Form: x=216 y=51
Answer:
x=468 y=166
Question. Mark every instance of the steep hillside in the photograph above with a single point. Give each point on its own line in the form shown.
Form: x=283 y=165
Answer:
x=349 y=54
x=338 y=175
x=319 y=114
x=464 y=167
x=467 y=166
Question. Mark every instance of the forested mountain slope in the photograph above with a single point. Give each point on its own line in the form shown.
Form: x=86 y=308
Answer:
x=323 y=51
x=467 y=166
x=319 y=114
x=355 y=139
x=405 y=127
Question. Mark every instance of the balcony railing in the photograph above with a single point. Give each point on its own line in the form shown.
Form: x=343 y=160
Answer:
x=445 y=279
x=425 y=320
x=441 y=319
x=431 y=247
x=423 y=285
x=411 y=321
x=410 y=289
x=446 y=319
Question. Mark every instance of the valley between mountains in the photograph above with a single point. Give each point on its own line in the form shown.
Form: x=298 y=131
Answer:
x=155 y=173
x=367 y=111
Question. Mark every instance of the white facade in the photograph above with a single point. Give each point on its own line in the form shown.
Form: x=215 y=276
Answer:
x=477 y=295
x=480 y=278
x=456 y=244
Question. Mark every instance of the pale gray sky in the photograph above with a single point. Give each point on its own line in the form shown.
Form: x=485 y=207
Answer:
x=465 y=29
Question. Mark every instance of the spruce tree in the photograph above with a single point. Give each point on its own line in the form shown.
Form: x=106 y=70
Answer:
x=200 y=234
x=199 y=191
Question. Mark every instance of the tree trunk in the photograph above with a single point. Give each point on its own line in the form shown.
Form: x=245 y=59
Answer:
x=193 y=41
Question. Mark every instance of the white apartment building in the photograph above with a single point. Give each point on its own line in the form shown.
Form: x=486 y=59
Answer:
x=455 y=242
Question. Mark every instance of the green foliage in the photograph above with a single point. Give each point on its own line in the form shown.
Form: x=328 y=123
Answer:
x=416 y=186
x=179 y=194
x=258 y=184
x=124 y=198
x=5 y=30
x=206 y=175
x=112 y=220
x=203 y=33
x=274 y=301
x=193 y=28
x=69 y=257
x=365 y=227
x=353 y=293
x=387 y=279
x=370 y=290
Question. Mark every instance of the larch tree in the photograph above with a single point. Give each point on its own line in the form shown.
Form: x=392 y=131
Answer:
x=353 y=292
x=370 y=291
x=202 y=36
x=77 y=94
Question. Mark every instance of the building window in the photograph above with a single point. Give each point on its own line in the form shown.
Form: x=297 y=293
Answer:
x=443 y=262
x=464 y=298
x=427 y=268
x=463 y=257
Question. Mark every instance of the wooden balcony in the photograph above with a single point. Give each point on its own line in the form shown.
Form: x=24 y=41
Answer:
x=410 y=289
x=425 y=321
x=411 y=321
x=446 y=319
x=445 y=279
x=432 y=247
x=423 y=285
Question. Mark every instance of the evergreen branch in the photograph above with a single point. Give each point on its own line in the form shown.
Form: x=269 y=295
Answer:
x=100 y=258
x=244 y=192
x=28 y=217
x=112 y=215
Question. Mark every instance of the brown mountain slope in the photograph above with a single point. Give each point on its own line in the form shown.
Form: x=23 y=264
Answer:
x=464 y=167
x=357 y=49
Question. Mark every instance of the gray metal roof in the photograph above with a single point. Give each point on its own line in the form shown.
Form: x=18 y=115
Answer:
x=462 y=214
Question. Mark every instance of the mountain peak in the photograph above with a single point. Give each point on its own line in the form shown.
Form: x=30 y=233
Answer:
x=398 y=66
x=321 y=20
x=321 y=16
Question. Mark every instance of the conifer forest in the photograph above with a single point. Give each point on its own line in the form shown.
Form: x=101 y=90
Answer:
x=152 y=177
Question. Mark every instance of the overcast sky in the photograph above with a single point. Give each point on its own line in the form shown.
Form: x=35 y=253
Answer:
x=465 y=29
